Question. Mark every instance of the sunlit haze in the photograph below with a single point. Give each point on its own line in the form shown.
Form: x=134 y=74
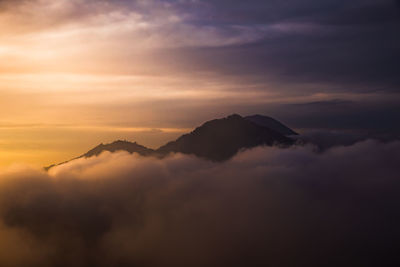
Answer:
x=151 y=70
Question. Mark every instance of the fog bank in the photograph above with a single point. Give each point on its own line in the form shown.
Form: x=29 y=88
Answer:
x=266 y=206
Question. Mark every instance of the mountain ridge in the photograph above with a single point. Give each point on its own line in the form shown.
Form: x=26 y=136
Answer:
x=215 y=140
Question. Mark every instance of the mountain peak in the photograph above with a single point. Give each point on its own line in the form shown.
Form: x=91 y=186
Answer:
x=220 y=139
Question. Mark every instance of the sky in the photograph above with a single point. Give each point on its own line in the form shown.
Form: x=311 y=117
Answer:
x=77 y=73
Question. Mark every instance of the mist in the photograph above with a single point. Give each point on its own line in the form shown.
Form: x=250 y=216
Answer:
x=265 y=207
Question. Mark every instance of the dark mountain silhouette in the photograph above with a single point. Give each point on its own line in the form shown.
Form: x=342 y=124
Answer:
x=271 y=123
x=113 y=147
x=118 y=146
x=221 y=139
x=215 y=140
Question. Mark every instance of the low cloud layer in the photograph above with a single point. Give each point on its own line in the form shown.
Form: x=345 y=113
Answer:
x=267 y=206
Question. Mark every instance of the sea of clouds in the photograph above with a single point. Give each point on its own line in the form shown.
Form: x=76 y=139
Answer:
x=265 y=207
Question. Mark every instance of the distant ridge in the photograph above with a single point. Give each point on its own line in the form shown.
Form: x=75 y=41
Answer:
x=117 y=146
x=215 y=140
x=271 y=123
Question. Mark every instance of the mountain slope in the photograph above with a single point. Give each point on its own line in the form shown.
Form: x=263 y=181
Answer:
x=271 y=123
x=221 y=139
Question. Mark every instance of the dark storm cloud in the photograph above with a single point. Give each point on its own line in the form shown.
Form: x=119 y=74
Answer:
x=353 y=59
x=265 y=207
x=348 y=43
x=352 y=44
x=330 y=11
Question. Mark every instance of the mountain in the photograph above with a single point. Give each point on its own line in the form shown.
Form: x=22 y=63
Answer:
x=221 y=139
x=215 y=140
x=118 y=146
x=271 y=123
x=113 y=147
